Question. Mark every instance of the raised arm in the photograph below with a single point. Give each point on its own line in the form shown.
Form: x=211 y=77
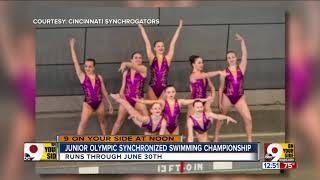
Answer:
x=75 y=60
x=190 y=130
x=205 y=75
x=186 y=102
x=150 y=53
x=140 y=68
x=123 y=84
x=143 y=101
x=163 y=127
x=106 y=95
x=244 y=54
x=133 y=113
x=212 y=116
x=212 y=88
x=221 y=87
x=173 y=42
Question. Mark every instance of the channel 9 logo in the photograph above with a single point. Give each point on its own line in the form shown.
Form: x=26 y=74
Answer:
x=279 y=152
x=40 y=151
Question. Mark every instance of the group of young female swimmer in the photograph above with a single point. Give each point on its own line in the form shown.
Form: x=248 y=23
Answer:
x=165 y=107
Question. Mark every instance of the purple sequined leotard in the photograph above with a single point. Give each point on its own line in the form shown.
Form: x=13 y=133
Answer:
x=158 y=81
x=172 y=118
x=199 y=88
x=300 y=81
x=93 y=95
x=148 y=126
x=25 y=86
x=234 y=87
x=196 y=125
x=134 y=88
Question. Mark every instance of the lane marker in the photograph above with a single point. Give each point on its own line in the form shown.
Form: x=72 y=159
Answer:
x=222 y=165
x=89 y=170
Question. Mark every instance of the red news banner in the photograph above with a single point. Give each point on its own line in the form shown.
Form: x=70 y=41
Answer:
x=288 y=165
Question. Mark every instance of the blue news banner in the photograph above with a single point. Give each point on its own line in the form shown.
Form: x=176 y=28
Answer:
x=158 y=152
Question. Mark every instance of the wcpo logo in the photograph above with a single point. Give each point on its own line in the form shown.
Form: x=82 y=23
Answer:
x=279 y=152
x=40 y=151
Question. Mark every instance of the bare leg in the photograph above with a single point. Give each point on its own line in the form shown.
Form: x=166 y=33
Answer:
x=189 y=113
x=244 y=111
x=226 y=104
x=142 y=108
x=207 y=105
x=23 y=131
x=86 y=113
x=102 y=119
x=162 y=96
x=203 y=137
x=308 y=123
x=122 y=113
x=151 y=94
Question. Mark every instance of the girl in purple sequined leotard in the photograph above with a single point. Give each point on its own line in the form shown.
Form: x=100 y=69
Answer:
x=149 y=126
x=199 y=88
x=159 y=74
x=201 y=120
x=94 y=89
x=152 y=124
x=93 y=95
x=134 y=87
x=159 y=62
x=134 y=75
x=200 y=81
x=196 y=125
x=172 y=116
x=231 y=91
x=234 y=86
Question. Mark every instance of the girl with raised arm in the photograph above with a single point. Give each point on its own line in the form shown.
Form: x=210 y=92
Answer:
x=94 y=89
x=134 y=75
x=201 y=120
x=172 y=108
x=159 y=62
x=231 y=91
x=153 y=124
